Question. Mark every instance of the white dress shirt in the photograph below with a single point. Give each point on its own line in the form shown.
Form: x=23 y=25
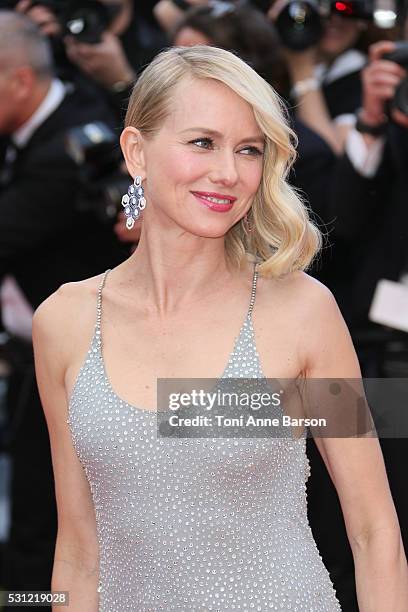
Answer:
x=51 y=102
x=365 y=159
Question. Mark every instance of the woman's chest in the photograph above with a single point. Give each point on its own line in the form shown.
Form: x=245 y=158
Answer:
x=193 y=352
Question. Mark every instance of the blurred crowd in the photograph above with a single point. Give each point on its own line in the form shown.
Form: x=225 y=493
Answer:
x=67 y=68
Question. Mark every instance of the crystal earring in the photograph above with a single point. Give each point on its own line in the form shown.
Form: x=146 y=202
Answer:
x=134 y=202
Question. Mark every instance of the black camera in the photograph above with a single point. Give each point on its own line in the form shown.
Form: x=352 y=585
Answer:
x=400 y=56
x=300 y=23
x=86 y=20
x=95 y=149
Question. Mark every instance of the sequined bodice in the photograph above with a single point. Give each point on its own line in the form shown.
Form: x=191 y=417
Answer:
x=195 y=524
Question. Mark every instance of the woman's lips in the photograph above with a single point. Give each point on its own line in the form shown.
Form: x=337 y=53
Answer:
x=202 y=197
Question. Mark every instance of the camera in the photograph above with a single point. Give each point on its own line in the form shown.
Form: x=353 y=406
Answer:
x=86 y=20
x=300 y=23
x=400 y=56
x=95 y=149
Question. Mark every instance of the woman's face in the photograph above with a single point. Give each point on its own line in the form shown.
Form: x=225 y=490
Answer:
x=339 y=35
x=204 y=166
x=188 y=37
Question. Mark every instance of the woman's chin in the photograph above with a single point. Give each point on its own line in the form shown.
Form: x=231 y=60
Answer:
x=208 y=229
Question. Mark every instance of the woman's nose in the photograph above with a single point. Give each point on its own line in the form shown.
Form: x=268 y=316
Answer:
x=225 y=171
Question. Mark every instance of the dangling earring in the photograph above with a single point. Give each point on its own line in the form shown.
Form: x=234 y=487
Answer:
x=133 y=202
x=247 y=225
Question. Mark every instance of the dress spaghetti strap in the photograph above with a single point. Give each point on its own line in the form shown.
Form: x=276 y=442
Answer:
x=98 y=332
x=253 y=291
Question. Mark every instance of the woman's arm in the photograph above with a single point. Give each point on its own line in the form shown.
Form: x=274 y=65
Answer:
x=76 y=554
x=357 y=469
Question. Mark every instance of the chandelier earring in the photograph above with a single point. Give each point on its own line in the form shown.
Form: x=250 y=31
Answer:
x=247 y=225
x=134 y=202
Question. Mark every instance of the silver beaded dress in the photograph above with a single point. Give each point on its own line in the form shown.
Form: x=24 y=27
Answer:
x=204 y=524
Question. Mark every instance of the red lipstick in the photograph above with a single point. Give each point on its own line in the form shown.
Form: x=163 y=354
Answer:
x=209 y=199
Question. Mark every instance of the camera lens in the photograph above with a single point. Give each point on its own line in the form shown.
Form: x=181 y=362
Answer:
x=299 y=25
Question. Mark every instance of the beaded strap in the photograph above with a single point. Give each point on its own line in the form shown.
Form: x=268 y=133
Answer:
x=99 y=305
x=253 y=291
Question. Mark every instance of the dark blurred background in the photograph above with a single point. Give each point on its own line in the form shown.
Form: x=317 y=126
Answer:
x=67 y=68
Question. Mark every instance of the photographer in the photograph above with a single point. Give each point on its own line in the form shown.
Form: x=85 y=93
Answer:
x=325 y=53
x=370 y=194
x=109 y=42
x=371 y=186
x=45 y=240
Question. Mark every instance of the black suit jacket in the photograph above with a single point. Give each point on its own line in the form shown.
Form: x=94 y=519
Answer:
x=343 y=95
x=371 y=226
x=312 y=175
x=44 y=239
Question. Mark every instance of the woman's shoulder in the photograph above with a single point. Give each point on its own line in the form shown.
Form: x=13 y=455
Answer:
x=300 y=290
x=309 y=314
x=65 y=317
x=69 y=299
x=302 y=301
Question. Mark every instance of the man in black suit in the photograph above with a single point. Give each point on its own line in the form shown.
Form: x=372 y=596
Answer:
x=44 y=241
x=370 y=197
x=370 y=190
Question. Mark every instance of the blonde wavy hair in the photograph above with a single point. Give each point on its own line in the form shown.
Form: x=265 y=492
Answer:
x=283 y=238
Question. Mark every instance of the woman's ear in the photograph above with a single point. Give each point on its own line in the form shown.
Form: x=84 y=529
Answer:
x=131 y=143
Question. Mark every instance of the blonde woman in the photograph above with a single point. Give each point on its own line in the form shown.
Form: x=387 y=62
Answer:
x=153 y=523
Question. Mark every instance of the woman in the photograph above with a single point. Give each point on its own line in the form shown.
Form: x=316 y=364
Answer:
x=246 y=32
x=148 y=523
x=127 y=43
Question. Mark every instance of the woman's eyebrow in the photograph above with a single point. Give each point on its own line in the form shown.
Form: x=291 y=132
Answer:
x=203 y=130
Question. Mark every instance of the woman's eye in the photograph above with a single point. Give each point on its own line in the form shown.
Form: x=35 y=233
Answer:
x=252 y=151
x=205 y=142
